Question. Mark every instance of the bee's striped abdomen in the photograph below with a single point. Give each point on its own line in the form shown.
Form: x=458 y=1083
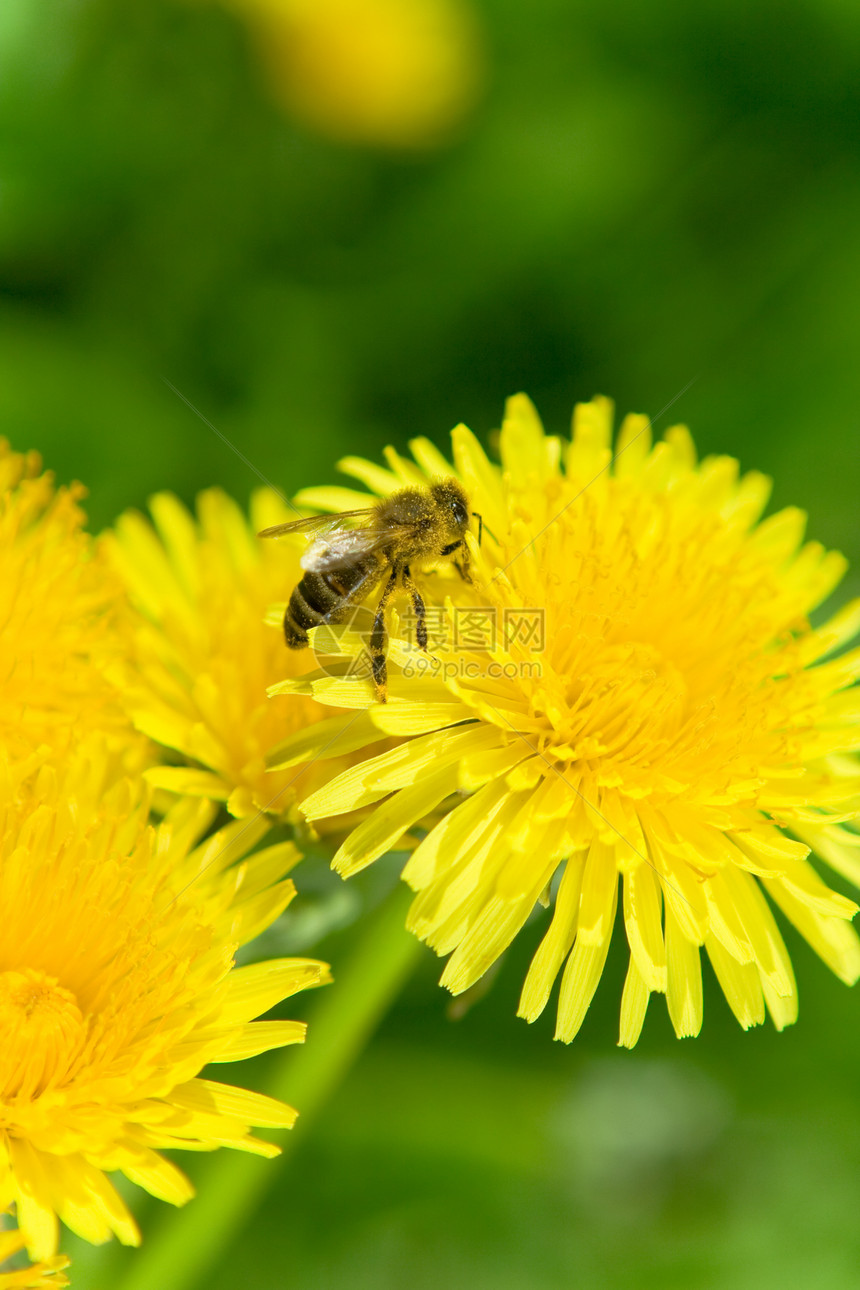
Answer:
x=324 y=597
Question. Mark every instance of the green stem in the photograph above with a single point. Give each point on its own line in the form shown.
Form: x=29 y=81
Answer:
x=346 y=1014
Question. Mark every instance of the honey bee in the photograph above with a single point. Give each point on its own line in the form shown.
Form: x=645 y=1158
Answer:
x=345 y=564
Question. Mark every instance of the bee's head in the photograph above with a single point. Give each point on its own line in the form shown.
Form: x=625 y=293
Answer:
x=453 y=503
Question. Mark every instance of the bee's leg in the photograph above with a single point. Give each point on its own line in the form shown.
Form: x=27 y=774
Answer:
x=379 y=640
x=418 y=607
x=462 y=566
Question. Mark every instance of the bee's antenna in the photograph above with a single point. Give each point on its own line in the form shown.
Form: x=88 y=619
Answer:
x=479 y=517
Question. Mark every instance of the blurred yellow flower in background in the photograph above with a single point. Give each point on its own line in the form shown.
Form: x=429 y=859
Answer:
x=670 y=726
x=47 y=1275
x=201 y=654
x=117 y=986
x=58 y=598
x=394 y=73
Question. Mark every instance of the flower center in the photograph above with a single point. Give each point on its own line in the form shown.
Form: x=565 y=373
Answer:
x=631 y=686
x=43 y=1030
x=630 y=700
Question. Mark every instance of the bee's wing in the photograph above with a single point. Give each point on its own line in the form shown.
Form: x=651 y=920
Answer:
x=314 y=523
x=345 y=546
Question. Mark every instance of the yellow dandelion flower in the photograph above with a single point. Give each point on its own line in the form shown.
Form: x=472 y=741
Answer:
x=642 y=701
x=202 y=654
x=46 y=1275
x=57 y=595
x=395 y=73
x=117 y=986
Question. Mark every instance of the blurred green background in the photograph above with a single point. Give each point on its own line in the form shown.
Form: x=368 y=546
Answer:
x=638 y=195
